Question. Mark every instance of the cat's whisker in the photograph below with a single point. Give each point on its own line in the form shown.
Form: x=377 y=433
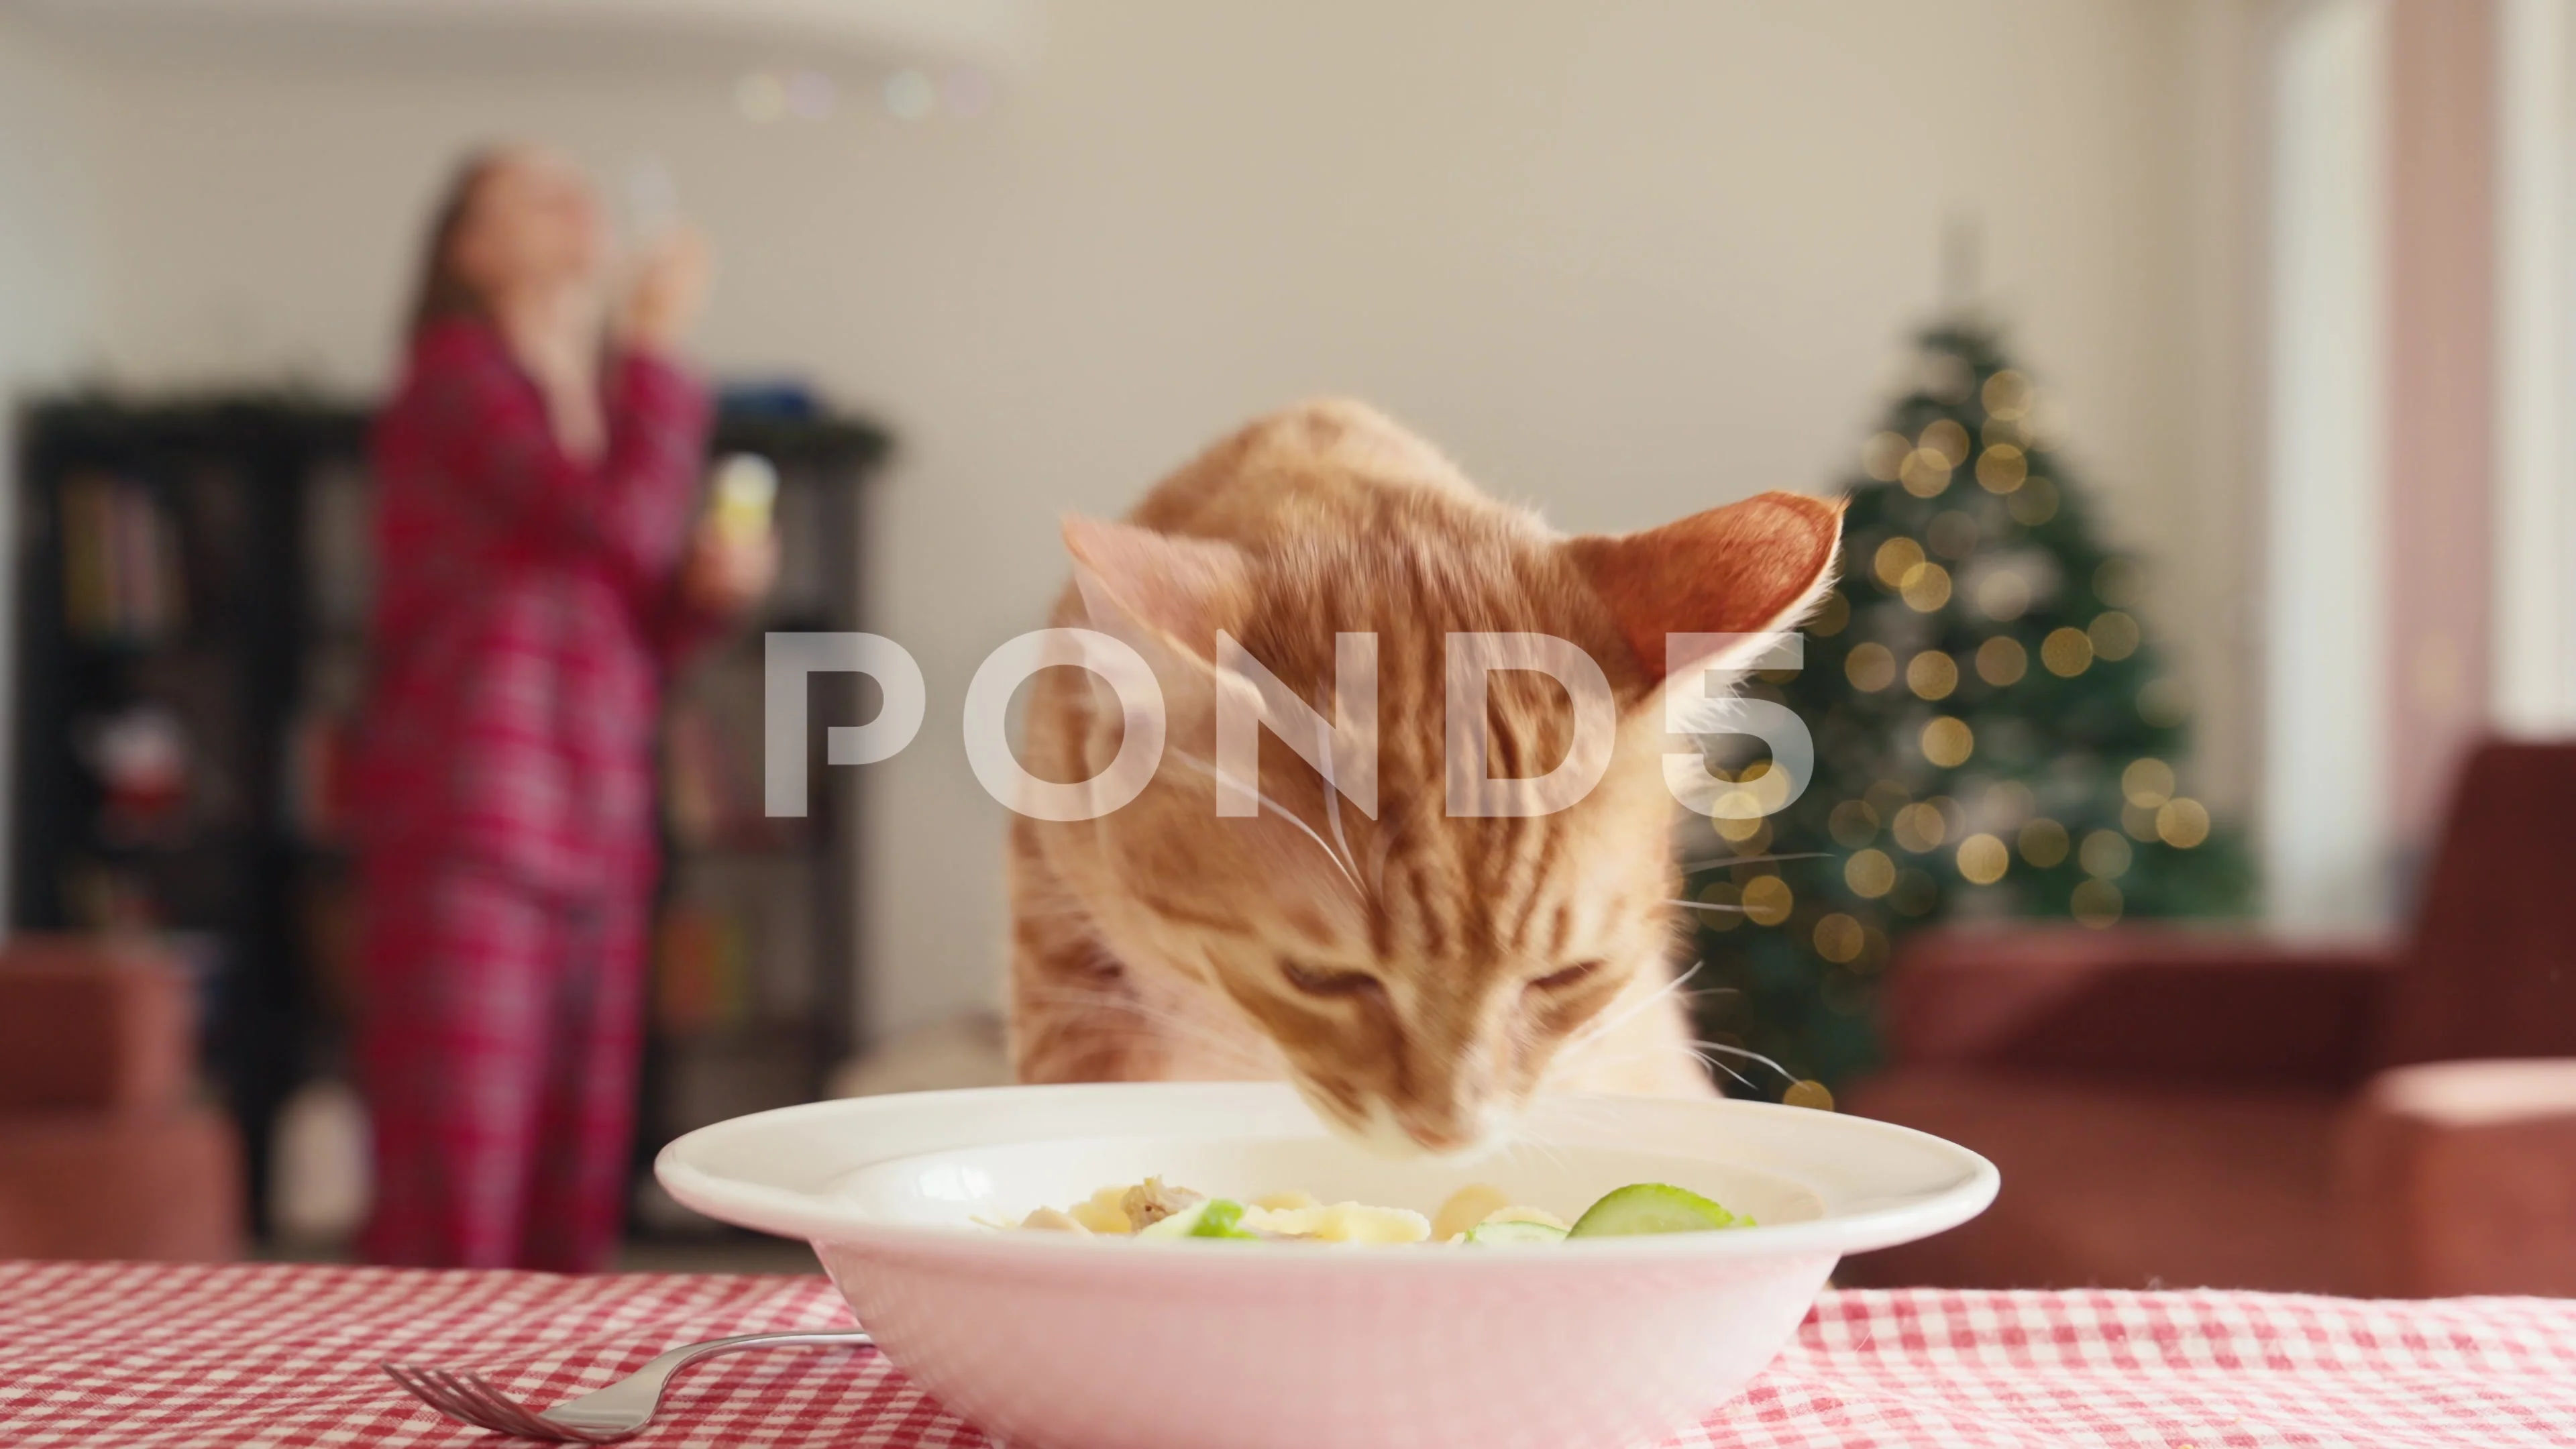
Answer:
x=1748 y=1054
x=1709 y=1061
x=1703 y=906
x=1604 y=1027
x=1716 y=862
x=1554 y=1157
x=1282 y=811
x=1333 y=794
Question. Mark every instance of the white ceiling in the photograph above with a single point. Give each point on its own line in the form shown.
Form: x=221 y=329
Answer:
x=520 y=35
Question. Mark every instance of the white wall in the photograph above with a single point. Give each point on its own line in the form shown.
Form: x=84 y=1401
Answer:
x=1628 y=261
x=2326 y=853
x=2535 y=514
x=45 y=281
x=46 y=293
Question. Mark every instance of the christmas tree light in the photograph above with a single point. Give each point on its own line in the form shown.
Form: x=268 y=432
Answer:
x=1995 y=737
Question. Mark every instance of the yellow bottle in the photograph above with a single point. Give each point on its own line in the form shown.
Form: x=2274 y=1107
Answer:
x=745 y=493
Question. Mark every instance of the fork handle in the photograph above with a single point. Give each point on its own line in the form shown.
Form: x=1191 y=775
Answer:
x=663 y=1367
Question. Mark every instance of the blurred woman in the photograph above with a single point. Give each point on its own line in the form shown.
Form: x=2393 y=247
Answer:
x=539 y=576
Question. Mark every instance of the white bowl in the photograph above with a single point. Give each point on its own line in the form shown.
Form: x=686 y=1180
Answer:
x=1056 y=1342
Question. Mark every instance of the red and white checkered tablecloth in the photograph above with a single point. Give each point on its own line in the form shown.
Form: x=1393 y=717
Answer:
x=120 y=1354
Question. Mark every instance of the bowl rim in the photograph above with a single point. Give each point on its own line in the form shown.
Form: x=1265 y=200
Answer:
x=796 y=1213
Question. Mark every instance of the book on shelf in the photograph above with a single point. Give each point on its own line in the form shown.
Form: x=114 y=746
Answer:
x=122 y=578
x=317 y=775
x=707 y=797
x=701 y=970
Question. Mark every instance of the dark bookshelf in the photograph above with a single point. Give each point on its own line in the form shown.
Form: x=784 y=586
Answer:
x=196 y=573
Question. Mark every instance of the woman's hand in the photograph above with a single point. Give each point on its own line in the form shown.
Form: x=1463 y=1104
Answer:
x=728 y=571
x=670 y=289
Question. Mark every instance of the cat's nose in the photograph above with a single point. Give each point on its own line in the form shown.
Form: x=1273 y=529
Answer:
x=1444 y=1132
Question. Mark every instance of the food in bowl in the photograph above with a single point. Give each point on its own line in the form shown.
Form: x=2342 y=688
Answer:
x=1477 y=1214
x=1045 y=1339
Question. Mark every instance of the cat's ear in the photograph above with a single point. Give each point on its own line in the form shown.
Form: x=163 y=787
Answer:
x=1747 y=568
x=1157 y=590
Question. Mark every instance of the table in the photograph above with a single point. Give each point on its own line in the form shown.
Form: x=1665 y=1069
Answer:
x=159 y=1355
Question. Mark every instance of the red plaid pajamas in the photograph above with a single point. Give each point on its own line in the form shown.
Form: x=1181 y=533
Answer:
x=500 y=1054
x=526 y=613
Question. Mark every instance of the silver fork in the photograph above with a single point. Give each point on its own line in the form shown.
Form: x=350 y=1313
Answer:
x=617 y=1412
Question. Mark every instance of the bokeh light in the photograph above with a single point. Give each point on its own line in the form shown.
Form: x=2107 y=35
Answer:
x=2114 y=635
x=2044 y=844
x=2096 y=903
x=1870 y=873
x=1871 y=667
x=1729 y=900
x=1809 y=1093
x=1983 y=859
x=2106 y=854
x=2001 y=661
x=1926 y=587
x=1884 y=455
x=2067 y=652
x=1852 y=824
x=2003 y=594
x=1894 y=559
x=1932 y=674
x=1919 y=828
x=1925 y=474
x=2147 y=781
x=1947 y=742
x=2138 y=821
x=1832 y=615
x=2182 y=822
x=2002 y=468
x=1768 y=900
x=2007 y=394
x=1838 y=938
x=1945 y=437
x=2009 y=803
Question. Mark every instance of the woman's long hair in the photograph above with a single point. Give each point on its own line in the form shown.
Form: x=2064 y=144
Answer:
x=444 y=292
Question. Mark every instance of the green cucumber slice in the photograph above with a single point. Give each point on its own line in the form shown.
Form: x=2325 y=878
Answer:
x=1220 y=1218
x=1652 y=1207
x=1514 y=1232
x=1215 y=1218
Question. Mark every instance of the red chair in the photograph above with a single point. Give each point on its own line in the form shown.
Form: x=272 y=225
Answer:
x=2177 y=1108
x=104 y=1151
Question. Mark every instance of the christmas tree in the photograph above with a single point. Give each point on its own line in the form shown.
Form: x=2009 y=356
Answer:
x=1994 y=737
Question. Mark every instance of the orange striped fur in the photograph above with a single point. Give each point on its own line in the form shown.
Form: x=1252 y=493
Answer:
x=1416 y=976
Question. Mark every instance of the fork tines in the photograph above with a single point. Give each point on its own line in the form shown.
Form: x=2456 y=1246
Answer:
x=467 y=1396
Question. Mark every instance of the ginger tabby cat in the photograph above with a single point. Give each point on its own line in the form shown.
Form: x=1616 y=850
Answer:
x=1415 y=975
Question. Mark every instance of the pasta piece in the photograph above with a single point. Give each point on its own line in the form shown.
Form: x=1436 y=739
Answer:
x=1465 y=1208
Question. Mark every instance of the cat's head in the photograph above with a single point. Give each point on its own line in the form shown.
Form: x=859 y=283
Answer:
x=1419 y=970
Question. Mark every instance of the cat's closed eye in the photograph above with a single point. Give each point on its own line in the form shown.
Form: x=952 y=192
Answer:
x=1571 y=976
x=1316 y=981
